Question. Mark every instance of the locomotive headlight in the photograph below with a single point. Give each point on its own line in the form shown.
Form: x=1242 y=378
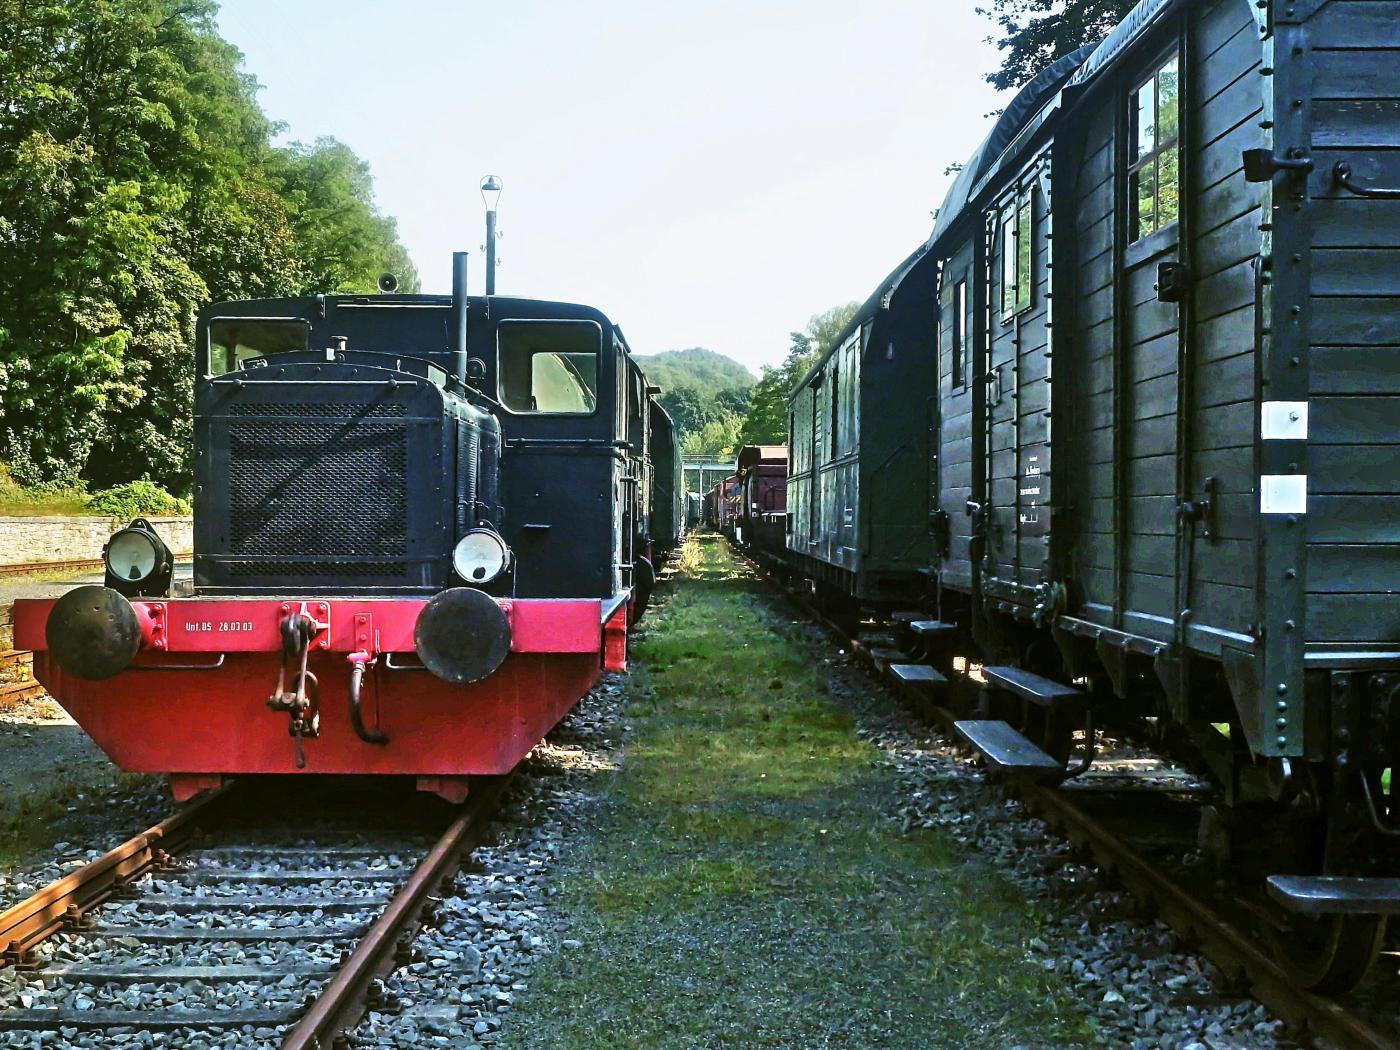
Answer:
x=137 y=561
x=131 y=555
x=480 y=556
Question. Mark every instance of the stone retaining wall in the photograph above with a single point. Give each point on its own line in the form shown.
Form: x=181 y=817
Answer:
x=56 y=537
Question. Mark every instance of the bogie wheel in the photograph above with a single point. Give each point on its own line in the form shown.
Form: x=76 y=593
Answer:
x=1330 y=955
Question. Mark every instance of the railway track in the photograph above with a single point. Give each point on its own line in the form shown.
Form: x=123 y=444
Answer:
x=73 y=565
x=1194 y=919
x=17 y=683
x=250 y=918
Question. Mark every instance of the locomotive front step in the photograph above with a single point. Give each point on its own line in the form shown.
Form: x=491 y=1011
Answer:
x=1007 y=751
x=1336 y=894
x=1039 y=690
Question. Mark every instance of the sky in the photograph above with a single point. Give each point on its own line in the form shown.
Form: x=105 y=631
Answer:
x=708 y=174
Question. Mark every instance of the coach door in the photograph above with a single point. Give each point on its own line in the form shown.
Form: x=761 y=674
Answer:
x=1017 y=390
x=1148 y=351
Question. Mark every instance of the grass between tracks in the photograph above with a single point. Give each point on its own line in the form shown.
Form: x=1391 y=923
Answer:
x=743 y=887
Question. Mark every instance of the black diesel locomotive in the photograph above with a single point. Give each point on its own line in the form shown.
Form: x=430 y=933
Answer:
x=1146 y=457
x=422 y=526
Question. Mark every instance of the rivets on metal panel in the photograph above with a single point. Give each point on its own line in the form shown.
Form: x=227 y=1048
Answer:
x=1281 y=689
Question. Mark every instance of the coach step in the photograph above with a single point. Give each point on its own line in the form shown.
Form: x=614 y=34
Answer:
x=1008 y=752
x=928 y=629
x=920 y=675
x=1037 y=689
x=1336 y=894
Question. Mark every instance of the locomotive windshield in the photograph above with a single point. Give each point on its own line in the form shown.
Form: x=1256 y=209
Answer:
x=549 y=367
x=233 y=340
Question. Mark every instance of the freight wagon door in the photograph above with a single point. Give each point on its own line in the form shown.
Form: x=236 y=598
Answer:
x=1017 y=390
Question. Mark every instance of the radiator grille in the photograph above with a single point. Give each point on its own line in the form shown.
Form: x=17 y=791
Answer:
x=342 y=410
x=328 y=569
x=330 y=487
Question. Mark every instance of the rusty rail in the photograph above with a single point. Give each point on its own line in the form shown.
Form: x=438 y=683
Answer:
x=355 y=985
x=1211 y=934
x=24 y=686
x=65 y=902
x=33 y=568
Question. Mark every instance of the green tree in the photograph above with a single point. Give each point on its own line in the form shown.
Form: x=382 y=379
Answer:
x=717 y=439
x=343 y=241
x=137 y=182
x=765 y=423
x=1034 y=33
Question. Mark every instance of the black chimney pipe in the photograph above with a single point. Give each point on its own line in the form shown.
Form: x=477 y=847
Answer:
x=459 y=315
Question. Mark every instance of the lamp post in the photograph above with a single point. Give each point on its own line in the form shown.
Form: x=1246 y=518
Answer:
x=491 y=193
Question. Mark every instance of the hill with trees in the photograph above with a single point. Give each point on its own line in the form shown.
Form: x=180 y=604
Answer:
x=706 y=395
x=139 y=180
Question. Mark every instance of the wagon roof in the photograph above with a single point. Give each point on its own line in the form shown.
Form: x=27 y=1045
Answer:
x=752 y=455
x=1023 y=110
x=868 y=309
x=1037 y=99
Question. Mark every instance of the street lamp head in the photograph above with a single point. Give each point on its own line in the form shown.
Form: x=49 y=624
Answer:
x=491 y=191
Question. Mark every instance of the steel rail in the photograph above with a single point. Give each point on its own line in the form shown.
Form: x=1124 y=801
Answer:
x=34 y=568
x=1243 y=963
x=352 y=990
x=62 y=904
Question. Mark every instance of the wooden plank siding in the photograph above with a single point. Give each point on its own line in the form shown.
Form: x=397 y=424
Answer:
x=1125 y=558
x=955 y=483
x=1353 y=519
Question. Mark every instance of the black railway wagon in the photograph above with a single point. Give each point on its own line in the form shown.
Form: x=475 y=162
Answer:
x=858 y=494
x=1194 y=231
x=667 y=491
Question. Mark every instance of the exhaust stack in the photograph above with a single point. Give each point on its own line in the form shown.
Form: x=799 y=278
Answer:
x=459 y=316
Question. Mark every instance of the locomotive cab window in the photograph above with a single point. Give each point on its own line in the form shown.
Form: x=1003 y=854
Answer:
x=1155 y=172
x=234 y=340
x=548 y=367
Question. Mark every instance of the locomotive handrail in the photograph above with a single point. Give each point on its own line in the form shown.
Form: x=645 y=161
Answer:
x=1341 y=174
x=389 y=665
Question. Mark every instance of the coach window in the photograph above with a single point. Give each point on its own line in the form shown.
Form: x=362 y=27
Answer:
x=1155 y=171
x=1017 y=239
x=957 y=330
x=548 y=367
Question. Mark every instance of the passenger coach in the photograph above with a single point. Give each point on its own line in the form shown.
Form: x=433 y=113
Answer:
x=1161 y=440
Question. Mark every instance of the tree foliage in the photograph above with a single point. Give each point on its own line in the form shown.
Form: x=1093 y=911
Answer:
x=1034 y=33
x=138 y=181
x=698 y=387
x=766 y=420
